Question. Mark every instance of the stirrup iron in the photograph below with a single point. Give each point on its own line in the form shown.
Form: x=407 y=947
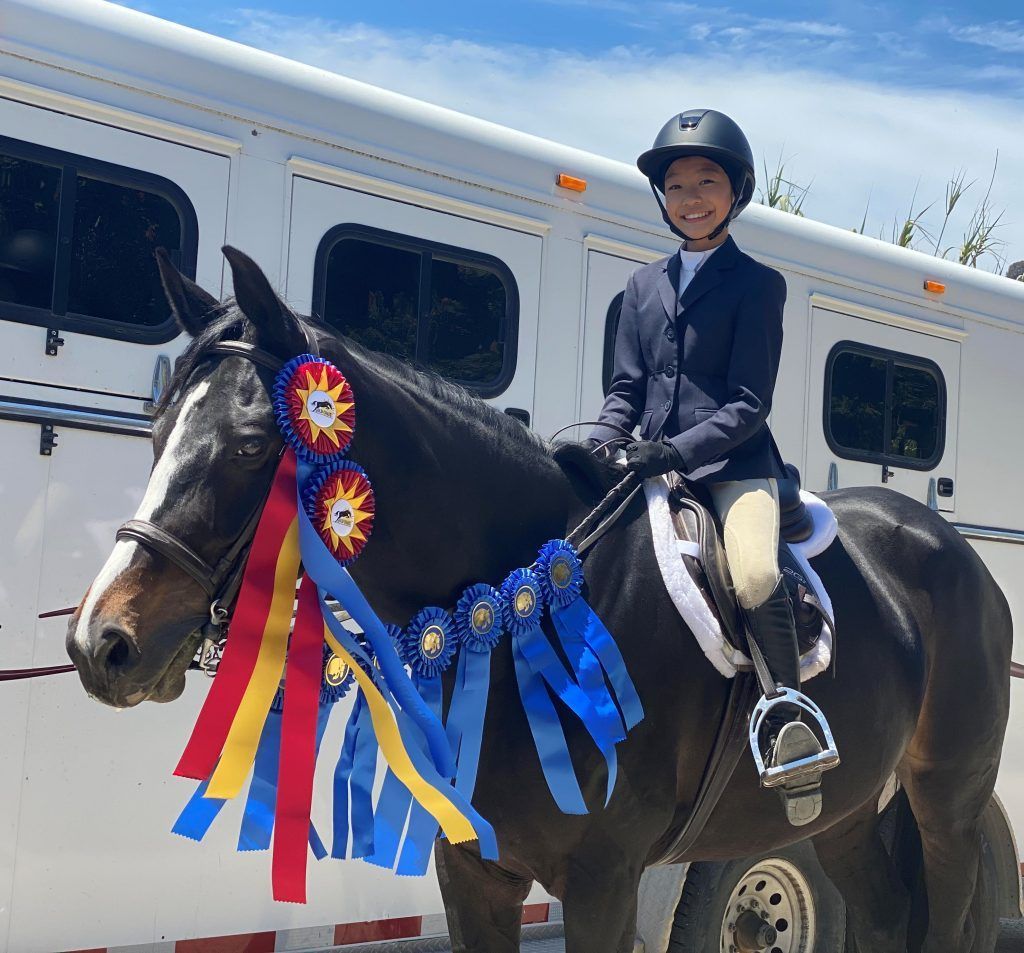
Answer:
x=802 y=769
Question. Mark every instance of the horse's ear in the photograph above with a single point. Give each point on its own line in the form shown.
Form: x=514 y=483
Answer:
x=277 y=329
x=190 y=304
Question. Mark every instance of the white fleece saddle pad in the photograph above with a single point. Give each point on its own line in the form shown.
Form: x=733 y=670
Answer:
x=691 y=603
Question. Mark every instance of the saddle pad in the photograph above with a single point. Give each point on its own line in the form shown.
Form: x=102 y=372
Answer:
x=691 y=604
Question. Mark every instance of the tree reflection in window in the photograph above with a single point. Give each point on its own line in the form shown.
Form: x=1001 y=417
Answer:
x=422 y=303
x=885 y=407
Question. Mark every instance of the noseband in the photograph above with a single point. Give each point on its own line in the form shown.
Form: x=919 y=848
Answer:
x=222 y=581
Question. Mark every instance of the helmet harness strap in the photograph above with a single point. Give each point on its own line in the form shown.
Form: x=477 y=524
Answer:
x=677 y=231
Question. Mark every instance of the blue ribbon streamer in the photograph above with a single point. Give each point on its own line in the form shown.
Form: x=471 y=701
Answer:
x=465 y=726
x=548 y=737
x=416 y=744
x=423 y=828
x=581 y=629
x=258 y=816
x=342 y=773
x=543 y=663
x=198 y=814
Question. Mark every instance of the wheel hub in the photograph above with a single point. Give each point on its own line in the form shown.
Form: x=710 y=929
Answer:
x=770 y=910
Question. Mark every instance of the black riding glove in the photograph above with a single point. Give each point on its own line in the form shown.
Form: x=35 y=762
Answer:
x=652 y=458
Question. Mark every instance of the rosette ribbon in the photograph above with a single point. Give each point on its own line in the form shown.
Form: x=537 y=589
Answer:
x=479 y=626
x=539 y=668
x=589 y=646
x=238 y=725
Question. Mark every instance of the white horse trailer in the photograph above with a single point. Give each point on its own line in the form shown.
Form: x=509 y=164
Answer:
x=119 y=133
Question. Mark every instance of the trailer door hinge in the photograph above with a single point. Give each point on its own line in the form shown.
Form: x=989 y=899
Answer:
x=47 y=440
x=53 y=341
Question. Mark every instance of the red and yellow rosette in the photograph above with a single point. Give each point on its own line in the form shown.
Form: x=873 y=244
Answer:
x=339 y=501
x=315 y=408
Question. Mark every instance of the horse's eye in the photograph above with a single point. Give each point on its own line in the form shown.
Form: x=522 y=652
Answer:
x=251 y=448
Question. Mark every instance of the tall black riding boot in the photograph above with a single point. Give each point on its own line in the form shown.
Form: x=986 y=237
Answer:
x=789 y=743
x=773 y=629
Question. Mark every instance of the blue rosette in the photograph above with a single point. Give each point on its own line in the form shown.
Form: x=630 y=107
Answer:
x=560 y=571
x=479 y=618
x=428 y=643
x=522 y=596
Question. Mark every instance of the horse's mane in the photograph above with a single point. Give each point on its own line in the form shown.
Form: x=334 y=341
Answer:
x=230 y=324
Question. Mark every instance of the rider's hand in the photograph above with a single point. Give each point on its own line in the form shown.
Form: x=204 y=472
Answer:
x=652 y=458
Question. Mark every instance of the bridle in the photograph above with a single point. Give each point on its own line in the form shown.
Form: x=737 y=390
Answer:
x=222 y=581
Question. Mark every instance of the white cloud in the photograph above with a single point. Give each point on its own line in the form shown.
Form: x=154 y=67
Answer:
x=1007 y=37
x=853 y=138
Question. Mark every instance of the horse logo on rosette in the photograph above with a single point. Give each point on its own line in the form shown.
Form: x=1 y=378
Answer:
x=323 y=406
x=483 y=617
x=432 y=642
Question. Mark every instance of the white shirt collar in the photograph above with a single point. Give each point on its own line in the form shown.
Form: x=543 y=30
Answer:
x=692 y=260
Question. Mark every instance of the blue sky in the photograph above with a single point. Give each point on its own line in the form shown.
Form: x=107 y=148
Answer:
x=865 y=102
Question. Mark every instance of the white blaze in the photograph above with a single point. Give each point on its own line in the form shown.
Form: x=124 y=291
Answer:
x=156 y=492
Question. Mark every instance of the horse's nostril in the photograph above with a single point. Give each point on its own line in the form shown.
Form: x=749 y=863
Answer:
x=116 y=650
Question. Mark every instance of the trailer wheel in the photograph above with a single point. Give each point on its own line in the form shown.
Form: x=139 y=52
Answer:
x=778 y=902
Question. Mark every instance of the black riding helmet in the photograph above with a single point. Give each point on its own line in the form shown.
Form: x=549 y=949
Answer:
x=701 y=132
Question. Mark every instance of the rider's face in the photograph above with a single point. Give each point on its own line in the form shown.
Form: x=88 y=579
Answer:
x=698 y=196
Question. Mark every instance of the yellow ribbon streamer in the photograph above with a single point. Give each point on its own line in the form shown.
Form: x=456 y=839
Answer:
x=247 y=726
x=455 y=825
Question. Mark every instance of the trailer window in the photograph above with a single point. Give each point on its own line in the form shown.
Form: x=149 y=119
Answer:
x=611 y=328
x=451 y=310
x=884 y=406
x=77 y=238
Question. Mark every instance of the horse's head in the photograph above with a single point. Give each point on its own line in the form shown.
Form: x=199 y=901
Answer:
x=215 y=448
x=449 y=476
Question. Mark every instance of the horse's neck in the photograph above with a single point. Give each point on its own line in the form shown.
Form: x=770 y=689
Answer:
x=458 y=501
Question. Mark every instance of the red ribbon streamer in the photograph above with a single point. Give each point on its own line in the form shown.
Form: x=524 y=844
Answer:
x=298 y=748
x=251 y=610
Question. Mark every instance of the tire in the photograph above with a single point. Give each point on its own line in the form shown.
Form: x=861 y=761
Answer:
x=790 y=889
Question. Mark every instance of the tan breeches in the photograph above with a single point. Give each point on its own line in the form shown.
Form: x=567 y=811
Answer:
x=749 y=510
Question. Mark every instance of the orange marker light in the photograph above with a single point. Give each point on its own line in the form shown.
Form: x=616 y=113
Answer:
x=936 y=287
x=571 y=182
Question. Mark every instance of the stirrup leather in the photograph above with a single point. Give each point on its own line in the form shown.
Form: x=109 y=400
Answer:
x=784 y=774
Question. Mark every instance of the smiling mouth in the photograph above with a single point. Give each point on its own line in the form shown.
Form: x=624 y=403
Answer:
x=696 y=216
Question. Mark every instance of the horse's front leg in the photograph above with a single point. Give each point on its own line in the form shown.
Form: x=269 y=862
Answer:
x=483 y=902
x=599 y=899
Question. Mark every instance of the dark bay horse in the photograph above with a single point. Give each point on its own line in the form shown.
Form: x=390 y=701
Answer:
x=465 y=494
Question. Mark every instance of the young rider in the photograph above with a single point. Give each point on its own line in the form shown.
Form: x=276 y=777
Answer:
x=696 y=357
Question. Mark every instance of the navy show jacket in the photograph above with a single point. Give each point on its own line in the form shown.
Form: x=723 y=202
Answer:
x=700 y=371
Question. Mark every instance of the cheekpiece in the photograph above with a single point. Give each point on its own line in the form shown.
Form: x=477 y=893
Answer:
x=429 y=642
x=561 y=573
x=523 y=596
x=340 y=504
x=479 y=618
x=315 y=409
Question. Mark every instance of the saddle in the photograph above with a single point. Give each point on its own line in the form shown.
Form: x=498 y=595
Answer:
x=697 y=523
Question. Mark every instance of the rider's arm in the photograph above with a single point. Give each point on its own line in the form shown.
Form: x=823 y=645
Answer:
x=627 y=392
x=753 y=368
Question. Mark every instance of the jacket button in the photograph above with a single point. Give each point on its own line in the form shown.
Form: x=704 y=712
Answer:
x=670 y=371
x=670 y=334
x=667 y=405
